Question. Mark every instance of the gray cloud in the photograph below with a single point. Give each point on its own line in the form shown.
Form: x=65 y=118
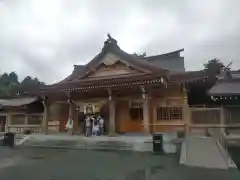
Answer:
x=45 y=38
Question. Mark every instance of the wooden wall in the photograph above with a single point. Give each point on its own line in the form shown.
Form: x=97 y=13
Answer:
x=170 y=96
x=124 y=123
x=59 y=112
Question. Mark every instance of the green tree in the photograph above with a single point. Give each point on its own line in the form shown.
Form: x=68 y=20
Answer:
x=10 y=85
x=214 y=67
x=28 y=82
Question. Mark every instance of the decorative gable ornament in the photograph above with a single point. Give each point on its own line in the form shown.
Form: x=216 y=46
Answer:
x=109 y=60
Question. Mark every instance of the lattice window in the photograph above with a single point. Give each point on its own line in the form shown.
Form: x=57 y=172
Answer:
x=18 y=119
x=176 y=113
x=169 y=113
x=35 y=119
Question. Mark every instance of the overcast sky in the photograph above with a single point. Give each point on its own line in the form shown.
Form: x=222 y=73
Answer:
x=44 y=38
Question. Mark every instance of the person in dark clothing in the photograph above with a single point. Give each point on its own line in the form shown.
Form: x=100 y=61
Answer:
x=81 y=119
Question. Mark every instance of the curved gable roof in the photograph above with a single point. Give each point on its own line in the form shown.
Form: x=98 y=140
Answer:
x=131 y=59
x=78 y=70
x=112 y=47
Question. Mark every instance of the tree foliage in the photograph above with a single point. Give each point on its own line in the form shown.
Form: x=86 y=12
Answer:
x=214 y=67
x=10 y=85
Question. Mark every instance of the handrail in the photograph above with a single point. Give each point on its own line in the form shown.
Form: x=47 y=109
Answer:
x=222 y=141
x=214 y=125
x=203 y=109
x=220 y=138
x=23 y=126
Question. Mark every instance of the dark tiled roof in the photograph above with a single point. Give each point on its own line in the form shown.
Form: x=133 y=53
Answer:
x=78 y=70
x=17 y=101
x=104 y=81
x=174 y=77
x=226 y=87
x=165 y=55
x=235 y=74
x=172 y=61
x=188 y=76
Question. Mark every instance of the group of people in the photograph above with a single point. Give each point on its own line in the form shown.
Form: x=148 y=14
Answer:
x=94 y=125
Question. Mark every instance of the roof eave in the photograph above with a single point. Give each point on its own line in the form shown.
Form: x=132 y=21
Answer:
x=223 y=94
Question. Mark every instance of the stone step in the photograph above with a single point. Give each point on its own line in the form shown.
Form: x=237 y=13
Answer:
x=110 y=146
x=105 y=145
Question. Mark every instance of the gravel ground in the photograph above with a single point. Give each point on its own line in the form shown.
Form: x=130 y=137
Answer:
x=63 y=164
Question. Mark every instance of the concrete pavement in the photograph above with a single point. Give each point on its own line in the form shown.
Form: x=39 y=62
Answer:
x=59 y=164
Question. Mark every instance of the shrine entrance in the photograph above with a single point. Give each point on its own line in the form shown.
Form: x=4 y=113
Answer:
x=92 y=110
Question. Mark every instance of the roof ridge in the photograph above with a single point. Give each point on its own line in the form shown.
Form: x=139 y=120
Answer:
x=165 y=54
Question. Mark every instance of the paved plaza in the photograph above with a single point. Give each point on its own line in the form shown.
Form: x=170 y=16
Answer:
x=62 y=164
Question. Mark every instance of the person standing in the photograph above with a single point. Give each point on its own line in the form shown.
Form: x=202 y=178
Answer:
x=88 y=126
x=81 y=119
x=95 y=127
x=69 y=125
x=101 y=124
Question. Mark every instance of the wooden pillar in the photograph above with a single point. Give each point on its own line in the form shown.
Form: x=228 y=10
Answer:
x=26 y=119
x=146 y=114
x=145 y=111
x=186 y=114
x=45 y=116
x=112 y=114
x=112 y=117
x=70 y=112
x=8 y=119
x=222 y=120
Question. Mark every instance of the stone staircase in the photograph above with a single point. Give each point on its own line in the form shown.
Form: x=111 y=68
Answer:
x=120 y=143
x=80 y=144
x=111 y=145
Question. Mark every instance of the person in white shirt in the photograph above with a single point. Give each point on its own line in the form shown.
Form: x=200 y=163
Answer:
x=88 y=126
x=101 y=124
x=69 y=125
x=95 y=128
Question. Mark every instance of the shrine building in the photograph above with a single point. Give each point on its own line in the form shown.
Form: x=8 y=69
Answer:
x=133 y=93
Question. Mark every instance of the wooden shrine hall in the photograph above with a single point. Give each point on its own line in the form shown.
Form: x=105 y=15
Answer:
x=133 y=93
